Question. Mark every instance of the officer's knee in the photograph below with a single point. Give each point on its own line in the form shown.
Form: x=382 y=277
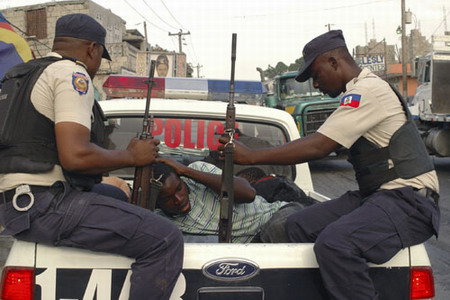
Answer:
x=296 y=230
x=329 y=244
x=159 y=237
x=175 y=238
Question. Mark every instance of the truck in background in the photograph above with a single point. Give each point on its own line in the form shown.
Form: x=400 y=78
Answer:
x=308 y=106
x=430 y=106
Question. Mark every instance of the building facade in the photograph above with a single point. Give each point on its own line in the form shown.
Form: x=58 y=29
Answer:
x=385 y=60
x=128 y=48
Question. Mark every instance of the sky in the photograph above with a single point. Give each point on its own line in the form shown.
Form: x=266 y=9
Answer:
x=268 y=31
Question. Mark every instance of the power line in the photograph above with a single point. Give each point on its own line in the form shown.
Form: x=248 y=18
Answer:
x=180 y=34
x=172 y=14
x=154 y=12
x=154 y=25
x=191 y=44
x=442 y=22
x=313 y=10
x=193 y=49
x=189 y=53
x=198 y=66
x=174 y=43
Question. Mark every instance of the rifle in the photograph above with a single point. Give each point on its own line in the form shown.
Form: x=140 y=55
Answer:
x=143 y=183
x=227 y=188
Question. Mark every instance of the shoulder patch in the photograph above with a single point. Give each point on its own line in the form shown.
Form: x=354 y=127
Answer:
x=352 y=100
x=80 y=83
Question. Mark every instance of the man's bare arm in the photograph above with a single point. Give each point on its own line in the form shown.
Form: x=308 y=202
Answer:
x=243 y=191
x=312 y=147
x=76 y=152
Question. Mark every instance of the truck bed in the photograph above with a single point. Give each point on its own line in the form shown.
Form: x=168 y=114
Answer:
x=210 y=271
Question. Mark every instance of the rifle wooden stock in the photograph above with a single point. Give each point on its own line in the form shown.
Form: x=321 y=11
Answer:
x=142 y=176
x=227 y=188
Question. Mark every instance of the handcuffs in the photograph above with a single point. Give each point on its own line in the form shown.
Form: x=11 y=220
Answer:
x=23 y=189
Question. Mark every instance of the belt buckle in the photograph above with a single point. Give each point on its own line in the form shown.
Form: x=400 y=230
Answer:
x=23 y=189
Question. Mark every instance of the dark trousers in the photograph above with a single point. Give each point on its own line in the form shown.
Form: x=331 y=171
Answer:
x=66 y=217
x=351 y=230
x=110 y=191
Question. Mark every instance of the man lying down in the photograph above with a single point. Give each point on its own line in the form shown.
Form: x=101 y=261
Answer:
x=190 y=197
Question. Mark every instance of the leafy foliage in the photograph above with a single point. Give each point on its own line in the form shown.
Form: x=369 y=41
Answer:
x=281 y=68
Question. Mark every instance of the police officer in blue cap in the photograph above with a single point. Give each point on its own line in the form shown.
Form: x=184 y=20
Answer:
x=52 y=160
x=396 y=205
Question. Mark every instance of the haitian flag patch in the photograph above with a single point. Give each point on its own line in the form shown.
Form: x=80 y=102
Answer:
x=352 y=100
x=80 y=83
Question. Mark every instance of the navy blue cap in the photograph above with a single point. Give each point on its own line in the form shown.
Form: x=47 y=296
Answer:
x=84 y=27
x=323 y=43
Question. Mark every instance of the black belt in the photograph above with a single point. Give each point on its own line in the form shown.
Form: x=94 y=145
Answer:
x=428 y=193
x=8 y=195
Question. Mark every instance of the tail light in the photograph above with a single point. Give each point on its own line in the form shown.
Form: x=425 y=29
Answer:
x=421 y=283
x=17 y=283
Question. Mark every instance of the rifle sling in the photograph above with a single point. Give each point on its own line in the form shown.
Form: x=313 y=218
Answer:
x=155 y=187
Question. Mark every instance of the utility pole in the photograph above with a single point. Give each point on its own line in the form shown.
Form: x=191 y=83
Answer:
x=198 y=66
x=404 y=61
x=329 y=26
x=147 y=47
x=180 y=34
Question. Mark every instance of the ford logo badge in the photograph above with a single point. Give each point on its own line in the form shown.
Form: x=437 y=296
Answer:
x=230 y=269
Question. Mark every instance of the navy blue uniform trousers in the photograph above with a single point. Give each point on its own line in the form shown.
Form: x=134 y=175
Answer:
x=351 y=230
x=63 y=216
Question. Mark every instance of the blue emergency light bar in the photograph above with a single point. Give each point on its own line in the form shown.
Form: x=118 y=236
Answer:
x=119 y=86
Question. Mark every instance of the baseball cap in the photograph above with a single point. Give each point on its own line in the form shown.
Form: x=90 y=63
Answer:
x=323 y=43
x=84 y=27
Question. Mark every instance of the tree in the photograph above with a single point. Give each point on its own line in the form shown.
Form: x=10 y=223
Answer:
x=189 y=70
x=281 y=68
x=296 y=65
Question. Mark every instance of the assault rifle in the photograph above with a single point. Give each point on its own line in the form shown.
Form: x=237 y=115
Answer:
x=143 y=193
x=227 y=188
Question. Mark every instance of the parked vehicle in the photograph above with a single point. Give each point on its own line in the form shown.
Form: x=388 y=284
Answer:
x=431 y=105
x=309 y=106
x=188 y=130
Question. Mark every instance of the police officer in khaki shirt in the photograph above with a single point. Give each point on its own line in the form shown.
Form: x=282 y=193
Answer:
x=51 y=162
x=396 y=205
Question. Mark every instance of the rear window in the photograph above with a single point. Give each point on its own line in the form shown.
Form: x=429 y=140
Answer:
x=190 y=139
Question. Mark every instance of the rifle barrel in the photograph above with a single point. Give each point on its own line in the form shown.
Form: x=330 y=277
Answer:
x=147 y=128
x=142 y=175
x=227 y=188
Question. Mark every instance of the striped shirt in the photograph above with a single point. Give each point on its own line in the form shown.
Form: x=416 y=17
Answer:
x=205 y=210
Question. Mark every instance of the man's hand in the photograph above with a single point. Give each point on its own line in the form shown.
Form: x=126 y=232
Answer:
x=177 y=166
x=241 y=154
x=143 y=151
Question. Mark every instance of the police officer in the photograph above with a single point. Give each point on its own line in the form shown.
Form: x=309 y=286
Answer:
x=396 y=204
x=50 y=162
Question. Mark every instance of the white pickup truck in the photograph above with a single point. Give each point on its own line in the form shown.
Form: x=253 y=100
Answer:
x=188 y=130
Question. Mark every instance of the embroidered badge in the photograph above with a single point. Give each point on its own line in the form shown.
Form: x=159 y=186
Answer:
x=80 y=83
x=352 y=100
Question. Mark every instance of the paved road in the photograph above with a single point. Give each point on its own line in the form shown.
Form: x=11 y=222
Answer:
x=334 y=177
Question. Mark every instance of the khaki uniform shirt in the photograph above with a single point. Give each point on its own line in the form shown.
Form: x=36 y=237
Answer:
x=371 y=109
x=63 y=93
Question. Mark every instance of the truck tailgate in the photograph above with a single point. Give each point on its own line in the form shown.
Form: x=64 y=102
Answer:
x=210 y=271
